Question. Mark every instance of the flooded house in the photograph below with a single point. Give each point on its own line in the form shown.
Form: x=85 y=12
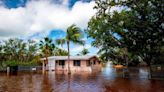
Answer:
x=77 y=63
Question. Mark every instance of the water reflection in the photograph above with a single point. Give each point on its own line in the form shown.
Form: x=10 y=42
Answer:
x=108 y=80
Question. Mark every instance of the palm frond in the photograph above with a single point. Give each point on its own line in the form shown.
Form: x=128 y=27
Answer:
x=80 y=42
x=61 y=41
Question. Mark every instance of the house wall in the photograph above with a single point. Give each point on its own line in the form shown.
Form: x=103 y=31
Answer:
x=97 y=66
x=83 y=66
x=51 y=64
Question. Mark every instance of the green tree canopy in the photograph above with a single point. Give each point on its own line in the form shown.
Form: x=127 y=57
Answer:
x=47 y=47
x=137 y=25
x=15 y=49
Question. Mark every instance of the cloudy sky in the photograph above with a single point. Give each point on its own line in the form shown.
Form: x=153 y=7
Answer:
x=36 y=19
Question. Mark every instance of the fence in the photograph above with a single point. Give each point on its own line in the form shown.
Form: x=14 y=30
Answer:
x=21 y=68
x=29 y=68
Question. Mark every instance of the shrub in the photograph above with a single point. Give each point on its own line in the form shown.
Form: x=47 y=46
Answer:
x=17 y=63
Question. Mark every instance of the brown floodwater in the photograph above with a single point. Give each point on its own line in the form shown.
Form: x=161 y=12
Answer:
x=108 y=80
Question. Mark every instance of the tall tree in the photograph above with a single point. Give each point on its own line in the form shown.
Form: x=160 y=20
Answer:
x=47 y=47
x=74 y=35
x=32 y=50
x=137 y=26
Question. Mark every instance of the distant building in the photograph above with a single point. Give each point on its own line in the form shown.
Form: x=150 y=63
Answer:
x=77 y=63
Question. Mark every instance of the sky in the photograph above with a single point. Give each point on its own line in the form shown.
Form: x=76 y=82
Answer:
x=36 y=19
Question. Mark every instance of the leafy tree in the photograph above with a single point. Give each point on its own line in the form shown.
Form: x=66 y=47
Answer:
x=138 y=26
x=18 y=50
x=31 y=51
x=14 y=49
x=1 y=53
x=159 y=58
x=1 y=48
x=73 y=35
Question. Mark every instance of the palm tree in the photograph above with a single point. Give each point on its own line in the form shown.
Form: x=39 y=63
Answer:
x=31 y=50
x=60 y=52
x=73 y=35
x=84 y=51
x=47 y=47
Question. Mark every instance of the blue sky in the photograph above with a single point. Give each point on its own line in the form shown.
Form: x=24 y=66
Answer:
x=22 y=3
x=36 y=19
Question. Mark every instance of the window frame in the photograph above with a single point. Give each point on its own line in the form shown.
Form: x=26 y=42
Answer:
x=88 y=63
x=77 y=63
x=94 y=62
x=61 y=62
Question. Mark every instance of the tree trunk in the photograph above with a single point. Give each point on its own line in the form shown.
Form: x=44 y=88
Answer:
x=148 y=60
x=126 y=57
x=46 y=59
x=69 y=71
x=43 y=66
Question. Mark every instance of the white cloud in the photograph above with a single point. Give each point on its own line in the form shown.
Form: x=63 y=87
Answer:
x=76 y=49
x=80 y=48
x=43 y=16
x=65 y=2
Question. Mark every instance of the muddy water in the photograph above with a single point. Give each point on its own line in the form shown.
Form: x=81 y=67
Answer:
x=108 y=80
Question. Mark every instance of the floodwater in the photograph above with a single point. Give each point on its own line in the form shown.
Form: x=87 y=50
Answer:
x=108 y=80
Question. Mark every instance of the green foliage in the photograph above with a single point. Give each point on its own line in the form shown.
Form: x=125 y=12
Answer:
x=73 y=35
x=84 y=52
x=18 y=50
x=159 y=59
x=18 y=63
x=137 y=26
x=47 y=46
x=60 y=52
x=117 y=55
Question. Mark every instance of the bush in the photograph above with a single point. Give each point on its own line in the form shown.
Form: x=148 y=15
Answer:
x=17 y=63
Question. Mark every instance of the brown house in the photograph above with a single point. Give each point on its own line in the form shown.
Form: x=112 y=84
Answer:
x=77 y=63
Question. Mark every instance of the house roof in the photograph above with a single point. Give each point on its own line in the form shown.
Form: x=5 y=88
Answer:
x=86 y=57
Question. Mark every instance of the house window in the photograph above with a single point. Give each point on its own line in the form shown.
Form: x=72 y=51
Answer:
x=76 y=62
x=99 y=62
x=88 y=63
x=61 y=62
x=94 y=62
